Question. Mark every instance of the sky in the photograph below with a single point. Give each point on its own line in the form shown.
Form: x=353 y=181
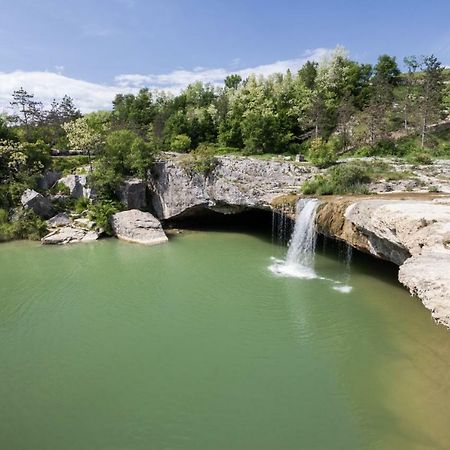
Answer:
x=94 y=49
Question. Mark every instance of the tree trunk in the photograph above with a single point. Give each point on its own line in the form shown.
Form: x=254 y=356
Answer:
x=424 y=129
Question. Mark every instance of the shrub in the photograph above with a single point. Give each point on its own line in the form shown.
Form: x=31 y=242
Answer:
x=423 y=158
x=101 y=212
x=348 y=178
x=321 y=153
x=69 y=164
x=25 y=225
x=180 y=143
x=201 y=161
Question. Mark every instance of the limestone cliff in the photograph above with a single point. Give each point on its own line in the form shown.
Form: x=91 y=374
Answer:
x=235 y=183
x=412 y=233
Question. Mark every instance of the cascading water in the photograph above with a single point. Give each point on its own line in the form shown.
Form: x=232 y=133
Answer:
x=299 y=260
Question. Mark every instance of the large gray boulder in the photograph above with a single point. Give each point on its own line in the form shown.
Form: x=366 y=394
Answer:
x=37 y=202
x=77 y=185
x=133 y=193
x=137 y=226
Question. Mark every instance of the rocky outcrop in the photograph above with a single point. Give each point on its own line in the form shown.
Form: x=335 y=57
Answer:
x=133 y=194
x=412 y=233
x=139 y=227
x=60 y=220
x=77 y=185
x=233 y=184
x=37 y=202
x=69 y=235
x=64 y=230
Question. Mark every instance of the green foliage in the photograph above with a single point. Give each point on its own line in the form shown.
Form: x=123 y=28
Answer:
x=181 y=143
x=69 y=164
x=344 y=178
x=421 y=158
x=24 y=225
x=20 y=166
x=101 y=212
x=321 y=153
x=125 y=154
x=202 y=161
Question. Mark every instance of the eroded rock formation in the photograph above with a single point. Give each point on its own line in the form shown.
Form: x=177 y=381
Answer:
x=234 y=184
x=414 y=234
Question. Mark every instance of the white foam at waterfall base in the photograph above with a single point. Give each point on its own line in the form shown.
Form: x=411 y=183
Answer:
x=299 y=260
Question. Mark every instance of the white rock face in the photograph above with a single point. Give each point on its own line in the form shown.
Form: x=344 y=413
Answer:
x=37 y=202
x=415 y=234
x=139 y=227
x=78 y=185
x=235 y=183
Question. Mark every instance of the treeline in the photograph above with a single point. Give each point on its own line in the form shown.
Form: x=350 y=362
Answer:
x=339 y=101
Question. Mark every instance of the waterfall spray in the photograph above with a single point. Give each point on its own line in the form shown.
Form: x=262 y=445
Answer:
x=299 y=260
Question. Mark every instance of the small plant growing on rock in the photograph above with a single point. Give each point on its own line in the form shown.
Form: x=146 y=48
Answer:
x=202 y=161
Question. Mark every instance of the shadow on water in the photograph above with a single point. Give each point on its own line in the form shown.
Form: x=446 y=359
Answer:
x=277 y=229
x=256 y=222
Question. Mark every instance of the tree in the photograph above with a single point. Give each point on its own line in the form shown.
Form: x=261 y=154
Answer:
x=233 y=81
x=410 y=91
x=84 y=138
x=321 y=153
x=28 y=111
x=308 y=74
x=387 y=70
x=432 y=93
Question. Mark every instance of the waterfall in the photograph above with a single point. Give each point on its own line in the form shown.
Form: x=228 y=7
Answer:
x=299 y=260
x=280 y=226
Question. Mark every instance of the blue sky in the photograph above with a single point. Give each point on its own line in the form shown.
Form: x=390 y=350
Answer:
x=94 y=48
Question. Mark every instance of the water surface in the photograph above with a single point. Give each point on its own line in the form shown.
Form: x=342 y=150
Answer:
x=197 y=345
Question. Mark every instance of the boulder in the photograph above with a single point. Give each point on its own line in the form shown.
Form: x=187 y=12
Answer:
x=60 y=220
x=133 y=193
x=137 y=226
x=37 y=202
x=48 y=180
x=77 y=185
x=69 y=235
x=85 y=224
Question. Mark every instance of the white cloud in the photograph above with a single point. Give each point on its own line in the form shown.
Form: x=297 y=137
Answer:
x=49 y=85
x=178 y=79
x=92 y=96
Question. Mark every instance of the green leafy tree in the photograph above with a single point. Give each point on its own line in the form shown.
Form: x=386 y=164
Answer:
x=83 y=137
x=431 y=102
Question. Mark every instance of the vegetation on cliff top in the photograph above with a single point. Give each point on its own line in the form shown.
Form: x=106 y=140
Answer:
x=335 y=108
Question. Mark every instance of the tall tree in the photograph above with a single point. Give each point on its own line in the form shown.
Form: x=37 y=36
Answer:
x=432 y=93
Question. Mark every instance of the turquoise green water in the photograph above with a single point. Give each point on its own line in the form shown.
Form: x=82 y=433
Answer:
x=196 y=345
